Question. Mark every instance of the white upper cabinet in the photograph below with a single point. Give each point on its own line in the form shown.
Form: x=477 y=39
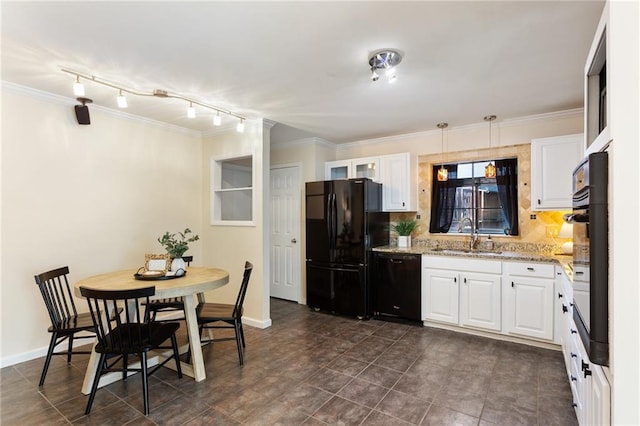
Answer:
x=398 y=174
x=399 y=177
x=552 y=163
x=353 y=168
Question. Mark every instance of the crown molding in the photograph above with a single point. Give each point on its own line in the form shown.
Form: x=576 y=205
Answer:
x=305 y=141
x=508 y=122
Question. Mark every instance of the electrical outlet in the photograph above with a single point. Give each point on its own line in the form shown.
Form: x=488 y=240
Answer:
x=533 y=217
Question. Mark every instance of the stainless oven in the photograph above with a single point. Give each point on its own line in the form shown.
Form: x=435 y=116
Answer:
x=591 y=255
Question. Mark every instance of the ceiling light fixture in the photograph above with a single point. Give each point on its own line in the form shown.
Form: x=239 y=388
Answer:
x=216 y=119
x=490 y=169
x=387 y=61
x=158 y=93
x=78 y=88
x=191 y=111
x=442 y=172
x=122 y=101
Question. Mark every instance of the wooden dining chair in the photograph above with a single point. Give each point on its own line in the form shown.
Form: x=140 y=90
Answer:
x=169 y=304
x=132 y=333
x=65 y=320
x=219 y=315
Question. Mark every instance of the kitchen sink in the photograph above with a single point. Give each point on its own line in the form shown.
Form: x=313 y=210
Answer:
x=460 y=251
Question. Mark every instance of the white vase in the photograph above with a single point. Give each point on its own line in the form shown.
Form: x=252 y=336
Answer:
x=178 y=266
x=404 y=241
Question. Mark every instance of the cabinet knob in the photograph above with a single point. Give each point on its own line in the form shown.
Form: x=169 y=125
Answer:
x=538 y=201
x=455 y=280
x=574 y=405
x=512 y=284
x=564 y=308
x=574 y=355
x=465 y=280
x=574 y=379
x=573 y=331
x=396 y=307
x=559 y=295
x=529 y=268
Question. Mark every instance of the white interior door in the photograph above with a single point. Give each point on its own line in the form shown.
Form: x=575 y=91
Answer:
x=285 y=233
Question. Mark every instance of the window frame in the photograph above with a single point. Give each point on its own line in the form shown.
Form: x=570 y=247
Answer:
x=217 y=192
x=476 y=183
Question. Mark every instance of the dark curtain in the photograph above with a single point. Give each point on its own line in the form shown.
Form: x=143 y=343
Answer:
x=442 y=200
x=507 y=181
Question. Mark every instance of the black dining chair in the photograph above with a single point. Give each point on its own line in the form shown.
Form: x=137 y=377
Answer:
x=131 y=333
x=65 y=320
x=169 y=304
x=219 y=315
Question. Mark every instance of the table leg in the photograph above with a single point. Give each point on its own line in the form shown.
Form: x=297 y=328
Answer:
x=92 y=367
x=197 y=360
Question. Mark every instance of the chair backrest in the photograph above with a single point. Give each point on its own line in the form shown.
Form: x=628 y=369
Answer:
x=237 y=309
x=127 y=332
x=57 y=296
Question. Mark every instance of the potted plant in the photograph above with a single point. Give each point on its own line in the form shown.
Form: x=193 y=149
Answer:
x=176 y=246
x=404 y=228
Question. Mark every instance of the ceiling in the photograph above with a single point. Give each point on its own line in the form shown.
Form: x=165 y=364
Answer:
x=305 y=64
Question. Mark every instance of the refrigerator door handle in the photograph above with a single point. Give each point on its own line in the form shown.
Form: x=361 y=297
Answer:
x=329 y=219
x=326 y=268
x=335 y=220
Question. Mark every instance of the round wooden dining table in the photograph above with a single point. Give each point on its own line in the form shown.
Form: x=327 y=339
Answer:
x=195 y=282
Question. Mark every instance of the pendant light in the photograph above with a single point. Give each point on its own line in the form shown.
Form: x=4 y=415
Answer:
x=490 y=169
x=442 y=172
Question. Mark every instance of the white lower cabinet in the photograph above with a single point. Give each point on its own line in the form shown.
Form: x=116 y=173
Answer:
x=440 y=295
x=464 y=292
x=589 y=385
x=480 y=301
x=528 y=299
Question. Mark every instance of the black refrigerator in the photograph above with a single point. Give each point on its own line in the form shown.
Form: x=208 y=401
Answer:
x=344 y=220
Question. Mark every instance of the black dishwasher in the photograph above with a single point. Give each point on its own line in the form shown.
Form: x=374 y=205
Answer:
x=396 y=286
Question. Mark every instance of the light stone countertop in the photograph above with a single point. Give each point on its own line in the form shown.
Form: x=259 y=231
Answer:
x=521 y=256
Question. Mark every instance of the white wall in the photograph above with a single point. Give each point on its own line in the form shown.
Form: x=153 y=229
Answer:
x=624 y=94
x=230 y=246
x=95 y=198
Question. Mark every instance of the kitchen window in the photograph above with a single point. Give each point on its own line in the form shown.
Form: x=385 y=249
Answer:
x=488 y=205
x=232 y=195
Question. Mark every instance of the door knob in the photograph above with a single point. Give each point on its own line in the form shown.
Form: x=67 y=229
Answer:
x=293 y=240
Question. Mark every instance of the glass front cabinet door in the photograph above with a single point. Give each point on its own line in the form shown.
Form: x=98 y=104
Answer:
x=353 y=168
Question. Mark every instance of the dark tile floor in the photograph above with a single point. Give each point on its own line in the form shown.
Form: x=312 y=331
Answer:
x=315 y=369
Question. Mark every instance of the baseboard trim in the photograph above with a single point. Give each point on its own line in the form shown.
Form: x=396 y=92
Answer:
x=256 y=323
x=37 y=353
x=495 y=336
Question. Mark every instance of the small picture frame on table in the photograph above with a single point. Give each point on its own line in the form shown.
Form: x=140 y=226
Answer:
x=157 y=262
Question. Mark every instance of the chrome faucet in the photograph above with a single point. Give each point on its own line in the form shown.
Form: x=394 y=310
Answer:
x=473 y=236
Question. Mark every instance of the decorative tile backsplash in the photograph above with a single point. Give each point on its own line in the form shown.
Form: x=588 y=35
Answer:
x=537 y=229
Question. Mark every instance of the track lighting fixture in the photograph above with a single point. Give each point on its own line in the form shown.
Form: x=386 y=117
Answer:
x=78 y=89
x=387 y=61
x=490 y=169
